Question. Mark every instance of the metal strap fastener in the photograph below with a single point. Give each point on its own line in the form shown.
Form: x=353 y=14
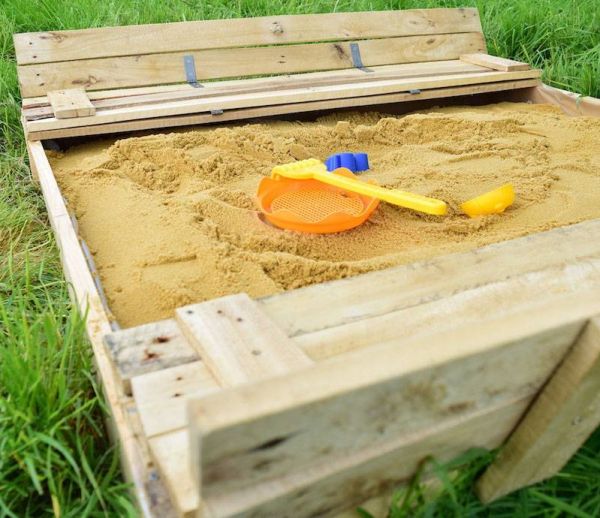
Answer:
x=414 y=91
x=190 y=71
x=356 y=59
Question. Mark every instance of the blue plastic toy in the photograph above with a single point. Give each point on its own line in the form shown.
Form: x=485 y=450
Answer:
x=356 y=162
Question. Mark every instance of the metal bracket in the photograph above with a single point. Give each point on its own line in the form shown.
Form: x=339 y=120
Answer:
x=356 y=59
x=189 y=66
x=216 y=112
x=414 y=91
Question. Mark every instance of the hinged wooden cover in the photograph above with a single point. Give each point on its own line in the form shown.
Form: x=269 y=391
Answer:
x=135 y=76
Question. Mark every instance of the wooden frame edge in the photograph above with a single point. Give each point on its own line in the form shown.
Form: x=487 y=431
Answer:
x=567 y=407
x=85 y=296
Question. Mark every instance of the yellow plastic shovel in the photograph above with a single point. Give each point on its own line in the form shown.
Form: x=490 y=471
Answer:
x=316 y=170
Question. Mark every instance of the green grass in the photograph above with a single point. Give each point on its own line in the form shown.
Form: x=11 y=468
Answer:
x=54 y=455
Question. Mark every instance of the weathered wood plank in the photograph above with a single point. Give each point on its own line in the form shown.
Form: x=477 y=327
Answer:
x=70 y=103
x=106 y=95
x=283 y=82
x=566 y=412
x=46 y=47
x=463 y=307
x=310 y=492
x=161 y=396
x=276 y=97
x=147 y=348
x=237 y=341
x=267 y=111
x=85 y=295
x=317 y=307
x=345 y=405
x=494 y=62
x=171 y=452
x=156 y=69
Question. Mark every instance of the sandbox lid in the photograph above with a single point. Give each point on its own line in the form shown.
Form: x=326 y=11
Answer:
x=109 y=80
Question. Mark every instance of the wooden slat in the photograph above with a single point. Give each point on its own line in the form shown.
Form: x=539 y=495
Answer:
x=494 y=62
x=419 y=69
x=316 y=308
x=564 y=415
x=276 y=97
x=267 y=111
x=171 y=453
x=85 y=295
x=215 y=88
x=45 y=47
x=308 y=493
x=161 y=396
x=416 y=69
x=237 y=342
x=147 y=348
x=570 y=103
x=155 y=69
x=381 y=400
x=463 y=307
x=347 y=406
x=73 y=102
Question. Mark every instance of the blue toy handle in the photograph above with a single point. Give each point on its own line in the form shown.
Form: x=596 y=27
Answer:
x=356 y=162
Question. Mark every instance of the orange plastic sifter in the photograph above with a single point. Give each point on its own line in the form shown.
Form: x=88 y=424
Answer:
x=313 y=206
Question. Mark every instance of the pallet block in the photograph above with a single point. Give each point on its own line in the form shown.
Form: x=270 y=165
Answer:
x=296 y=404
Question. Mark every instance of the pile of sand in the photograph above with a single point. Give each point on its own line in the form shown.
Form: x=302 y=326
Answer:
x=171 y=218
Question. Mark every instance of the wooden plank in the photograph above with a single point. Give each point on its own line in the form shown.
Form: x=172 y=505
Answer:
x=570 y=103
x=307 y=493
x=345 y=405
x=171 y=453
x=237 y=342
x=46 y=47
x=440 y=67
x=276 y=97
x=147 y=348
x=55 y=204
x=161 y=396
x=267 y=111
x=70 y=103
x=317 y=307
x=134 y=461
x=283 y=82
x=240 y=345
x=564 y=415
x=494 y=62
x=156 y=69
x=460 y=308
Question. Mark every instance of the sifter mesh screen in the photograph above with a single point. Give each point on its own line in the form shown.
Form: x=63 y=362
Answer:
x=315 y=206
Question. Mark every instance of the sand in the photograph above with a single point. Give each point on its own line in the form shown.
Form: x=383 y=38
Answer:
x=171 y=218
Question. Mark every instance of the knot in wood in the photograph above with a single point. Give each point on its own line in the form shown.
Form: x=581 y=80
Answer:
x=276 y=28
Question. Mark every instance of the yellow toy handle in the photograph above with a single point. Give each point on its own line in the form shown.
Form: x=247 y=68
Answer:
x=402 y=198
x=316 y=170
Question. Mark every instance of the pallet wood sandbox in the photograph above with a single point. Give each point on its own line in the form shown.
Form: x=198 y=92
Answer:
x=309 y=402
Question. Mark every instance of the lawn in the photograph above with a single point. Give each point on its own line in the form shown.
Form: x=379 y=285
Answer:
x=54 y=455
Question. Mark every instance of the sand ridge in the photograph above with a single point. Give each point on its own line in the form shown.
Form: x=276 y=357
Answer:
x=171 y=218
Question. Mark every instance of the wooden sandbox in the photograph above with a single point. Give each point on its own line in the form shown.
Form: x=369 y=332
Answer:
x=310 y=402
